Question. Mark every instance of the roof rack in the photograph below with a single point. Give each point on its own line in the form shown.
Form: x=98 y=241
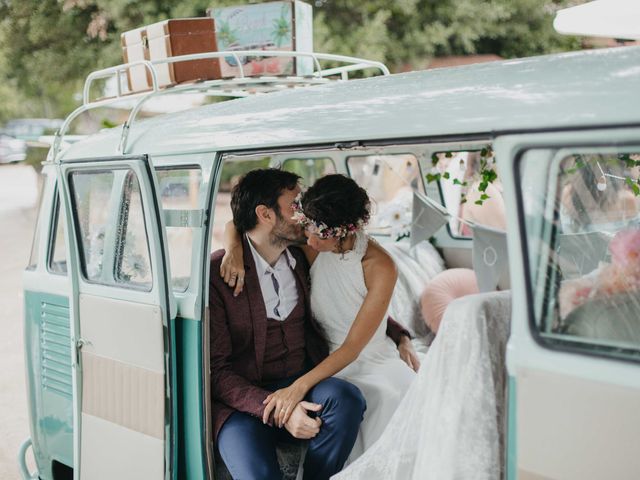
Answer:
x=240 y=86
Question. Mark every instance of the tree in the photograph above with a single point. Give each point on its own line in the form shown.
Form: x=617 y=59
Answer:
x=47 y=47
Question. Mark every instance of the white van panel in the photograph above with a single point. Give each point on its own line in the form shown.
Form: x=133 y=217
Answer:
x=123 y=394
x=130 y=455
x=114 y=329
x=607 y=445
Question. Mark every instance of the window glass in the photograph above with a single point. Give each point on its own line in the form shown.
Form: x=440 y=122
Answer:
x=583 y=237
x=390 y=181
x=133 y=265
x=35 y=243
x=471 y=190
x=309 y=169
x=91 y=193
x=58 y=253
x=232 y=171
x=180 y=190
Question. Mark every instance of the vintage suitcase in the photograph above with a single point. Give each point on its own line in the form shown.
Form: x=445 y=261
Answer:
x=134 y=48
x=184 y=36
x=171 y=38
x=285 y=25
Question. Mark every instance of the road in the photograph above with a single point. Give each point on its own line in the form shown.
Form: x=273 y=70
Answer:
x=18 y=198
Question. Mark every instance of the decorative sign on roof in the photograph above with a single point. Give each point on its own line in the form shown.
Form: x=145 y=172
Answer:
x=283 y=26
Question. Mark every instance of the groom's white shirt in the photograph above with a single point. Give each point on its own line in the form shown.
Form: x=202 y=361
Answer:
x=288 y=290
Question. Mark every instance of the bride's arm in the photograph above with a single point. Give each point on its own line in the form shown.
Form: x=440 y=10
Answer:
x=380 y=277
x=232 y=266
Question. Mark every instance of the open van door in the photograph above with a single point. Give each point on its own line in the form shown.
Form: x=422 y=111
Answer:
x=573 y=357
x=120 y=313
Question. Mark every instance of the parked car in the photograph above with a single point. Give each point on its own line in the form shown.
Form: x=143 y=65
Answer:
x=116 y=291
x=12 y=149
x=32 y=128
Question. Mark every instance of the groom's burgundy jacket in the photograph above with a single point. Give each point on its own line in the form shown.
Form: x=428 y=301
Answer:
x=238 y=338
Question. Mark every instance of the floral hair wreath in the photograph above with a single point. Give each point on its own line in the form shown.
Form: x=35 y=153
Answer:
x=321 y=229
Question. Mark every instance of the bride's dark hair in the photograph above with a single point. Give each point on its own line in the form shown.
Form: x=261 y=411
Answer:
x=336 y=200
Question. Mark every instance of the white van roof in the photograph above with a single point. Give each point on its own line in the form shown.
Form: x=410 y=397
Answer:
x=577 y=89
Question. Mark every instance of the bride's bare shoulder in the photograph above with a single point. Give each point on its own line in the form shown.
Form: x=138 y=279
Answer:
x=378 y=260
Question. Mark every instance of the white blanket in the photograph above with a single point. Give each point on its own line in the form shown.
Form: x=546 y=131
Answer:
x=450 y=424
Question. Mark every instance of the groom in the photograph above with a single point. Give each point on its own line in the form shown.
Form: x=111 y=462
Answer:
x=266 y=337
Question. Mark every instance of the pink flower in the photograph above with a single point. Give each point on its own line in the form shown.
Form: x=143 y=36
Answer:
x=574 y=293
x=625 y=247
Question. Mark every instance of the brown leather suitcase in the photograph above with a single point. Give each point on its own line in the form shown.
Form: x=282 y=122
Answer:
x=171 y=38
x=185 y=36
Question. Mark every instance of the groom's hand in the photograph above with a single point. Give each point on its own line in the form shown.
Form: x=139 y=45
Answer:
x=300 y=424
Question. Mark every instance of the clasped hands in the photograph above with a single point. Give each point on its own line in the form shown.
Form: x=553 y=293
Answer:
x=287 y=409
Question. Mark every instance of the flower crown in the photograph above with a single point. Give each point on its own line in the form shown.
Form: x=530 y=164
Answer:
x=321 y=229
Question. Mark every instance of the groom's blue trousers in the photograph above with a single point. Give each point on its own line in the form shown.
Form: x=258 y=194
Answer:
x=248 y=447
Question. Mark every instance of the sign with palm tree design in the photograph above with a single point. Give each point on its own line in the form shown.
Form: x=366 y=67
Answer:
x=285 y=25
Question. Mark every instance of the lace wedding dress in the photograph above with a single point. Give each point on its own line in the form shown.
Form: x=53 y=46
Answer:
x=337 y=292
x=449 y=425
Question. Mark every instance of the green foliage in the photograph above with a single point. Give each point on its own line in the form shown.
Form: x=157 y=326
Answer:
x=47 y=47
x=484 y=177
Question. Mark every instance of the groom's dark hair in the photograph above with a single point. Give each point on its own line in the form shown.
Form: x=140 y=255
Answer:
x=259 y=187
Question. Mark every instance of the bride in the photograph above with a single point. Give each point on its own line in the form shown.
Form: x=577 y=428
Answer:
x=352 y=281
x=444 y=422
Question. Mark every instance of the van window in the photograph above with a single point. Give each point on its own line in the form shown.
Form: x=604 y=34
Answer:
x=58 y=248
x=108 y=210
x=232 y=171
x=470 y=189
x=133 y=264
x=583 y=241
x=91 y=193
x=390 y=181
x=180 y=190
x=35 y=244
x=309 y=169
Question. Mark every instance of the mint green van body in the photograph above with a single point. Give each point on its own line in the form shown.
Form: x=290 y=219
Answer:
x=116 y=293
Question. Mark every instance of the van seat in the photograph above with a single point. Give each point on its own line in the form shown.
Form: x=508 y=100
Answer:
x=417 y=266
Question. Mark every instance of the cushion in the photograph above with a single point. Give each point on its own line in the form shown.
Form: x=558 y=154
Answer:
x=445 y=287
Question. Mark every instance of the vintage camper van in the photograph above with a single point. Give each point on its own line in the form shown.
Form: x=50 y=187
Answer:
x=116 y=291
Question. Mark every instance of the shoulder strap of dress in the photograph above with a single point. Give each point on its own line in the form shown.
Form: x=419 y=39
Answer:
x=361 y=243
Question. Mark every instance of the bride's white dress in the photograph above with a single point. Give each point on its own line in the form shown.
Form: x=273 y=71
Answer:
x=449 y=425
x=337 y=292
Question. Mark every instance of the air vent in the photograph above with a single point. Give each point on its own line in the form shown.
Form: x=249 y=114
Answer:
x=55 y=343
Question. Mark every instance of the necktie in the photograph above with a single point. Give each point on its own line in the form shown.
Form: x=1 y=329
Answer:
x=276 y=287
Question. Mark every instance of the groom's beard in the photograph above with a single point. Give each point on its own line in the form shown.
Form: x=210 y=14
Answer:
x=286 y=234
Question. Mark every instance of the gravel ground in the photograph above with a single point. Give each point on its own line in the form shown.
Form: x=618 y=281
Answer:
x=18 y=197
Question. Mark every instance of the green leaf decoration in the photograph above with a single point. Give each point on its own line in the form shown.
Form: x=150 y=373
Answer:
x=434 y=159
x=446 y=175
x=635 y=188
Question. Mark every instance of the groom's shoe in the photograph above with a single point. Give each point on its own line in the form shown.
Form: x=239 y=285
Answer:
x=343 y=407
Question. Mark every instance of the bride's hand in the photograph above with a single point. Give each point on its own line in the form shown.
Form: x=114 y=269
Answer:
x=408 y=353
x=282 y=402
x=232 y=269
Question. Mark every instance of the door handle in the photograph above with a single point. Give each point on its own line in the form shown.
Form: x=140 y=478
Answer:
x=80 y=342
